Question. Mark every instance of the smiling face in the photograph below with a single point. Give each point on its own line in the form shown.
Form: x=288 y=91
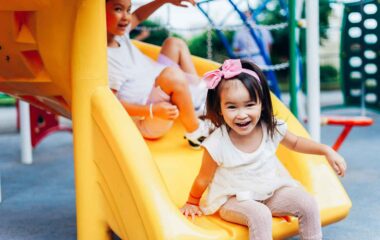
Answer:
x=118 y=16
x=240 y=112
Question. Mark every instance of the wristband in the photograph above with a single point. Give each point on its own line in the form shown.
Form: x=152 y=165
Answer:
x=151 y=110
x=195 y=204
x=192 y=196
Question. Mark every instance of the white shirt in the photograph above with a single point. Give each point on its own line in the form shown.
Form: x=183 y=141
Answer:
x=130 y=72
x=256 y=175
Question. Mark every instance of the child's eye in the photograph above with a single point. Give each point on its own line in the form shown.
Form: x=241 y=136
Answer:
x=231 y=107
x=118 y=9
x=251 y=104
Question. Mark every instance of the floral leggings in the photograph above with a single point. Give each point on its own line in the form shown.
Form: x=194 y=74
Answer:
x=257 y=215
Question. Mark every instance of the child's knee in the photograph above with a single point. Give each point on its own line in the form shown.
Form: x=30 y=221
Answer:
x=259 y=216
x=176 y=77
x=308 y=205
x=175 y=42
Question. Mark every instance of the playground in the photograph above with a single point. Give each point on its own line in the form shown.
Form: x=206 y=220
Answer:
x=74 y=166
x=39 y=199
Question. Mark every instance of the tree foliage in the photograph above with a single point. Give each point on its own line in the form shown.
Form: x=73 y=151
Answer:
x=156 y=37
x=274 y=15
x=198 y=45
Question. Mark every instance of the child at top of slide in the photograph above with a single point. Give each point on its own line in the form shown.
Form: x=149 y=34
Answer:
x=154 y=94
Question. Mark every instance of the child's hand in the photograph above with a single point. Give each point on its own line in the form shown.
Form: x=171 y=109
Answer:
x=180 y=3
x=165 y=110
x=337 y=162
x=144 y=34
x=191 y=210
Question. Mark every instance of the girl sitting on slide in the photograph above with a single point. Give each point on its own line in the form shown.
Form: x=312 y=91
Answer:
x=247 y=183
x=153 y=93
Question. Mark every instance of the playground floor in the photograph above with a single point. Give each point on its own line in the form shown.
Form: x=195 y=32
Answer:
x=38 y=200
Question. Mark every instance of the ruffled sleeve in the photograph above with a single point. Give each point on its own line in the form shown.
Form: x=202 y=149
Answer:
x=212 y=145
x=280 y=131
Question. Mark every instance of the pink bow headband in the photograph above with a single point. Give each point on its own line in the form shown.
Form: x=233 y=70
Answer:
x=230 y=69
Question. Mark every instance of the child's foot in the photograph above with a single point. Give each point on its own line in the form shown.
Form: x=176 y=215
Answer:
x=196 y=138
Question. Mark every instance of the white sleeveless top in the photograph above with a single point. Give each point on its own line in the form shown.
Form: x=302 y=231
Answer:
x=130 y=72
x=256 y=175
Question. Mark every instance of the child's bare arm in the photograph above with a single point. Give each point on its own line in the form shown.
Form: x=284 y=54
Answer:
x=146 y=10
x=164 y=110
x=201 y=182
x=204 y=177
x=304 y=145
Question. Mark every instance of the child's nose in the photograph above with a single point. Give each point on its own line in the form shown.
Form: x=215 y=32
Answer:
x=127 y=16
x=241 y=114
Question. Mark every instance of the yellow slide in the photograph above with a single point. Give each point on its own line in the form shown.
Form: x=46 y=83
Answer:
x=53 y=54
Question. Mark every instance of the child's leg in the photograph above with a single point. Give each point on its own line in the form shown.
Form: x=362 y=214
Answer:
x=250 y=213
x=166 y=61
x=177 y=50
x=198 y=89
x=175 y=53
x=173 y=82
x=297 y=202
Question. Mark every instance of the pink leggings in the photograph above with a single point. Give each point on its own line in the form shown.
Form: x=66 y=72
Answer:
x=284 y=202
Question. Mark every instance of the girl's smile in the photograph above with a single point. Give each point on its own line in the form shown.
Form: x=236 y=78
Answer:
x=243 y=124
x=122 y=26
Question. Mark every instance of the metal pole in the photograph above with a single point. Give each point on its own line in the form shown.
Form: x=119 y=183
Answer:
x=363 y=89
x=1 y=195
x=293 y=57
x=168 y=23
x=312 y=68
x=26 y=142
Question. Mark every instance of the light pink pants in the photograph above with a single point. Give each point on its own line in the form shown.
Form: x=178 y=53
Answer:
x=257 y=215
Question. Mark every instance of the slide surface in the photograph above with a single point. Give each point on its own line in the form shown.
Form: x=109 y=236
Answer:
x=53 y=54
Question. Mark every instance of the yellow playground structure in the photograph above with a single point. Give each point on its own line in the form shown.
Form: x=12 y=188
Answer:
x=53 y=55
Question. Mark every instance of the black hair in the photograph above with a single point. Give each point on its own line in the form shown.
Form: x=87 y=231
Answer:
x=258 y=91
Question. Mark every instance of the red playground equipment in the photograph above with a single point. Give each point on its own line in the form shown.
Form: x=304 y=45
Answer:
x=348 y=123
x=42 y=123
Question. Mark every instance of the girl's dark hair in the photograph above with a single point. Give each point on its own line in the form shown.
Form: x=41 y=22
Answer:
x=258 y=90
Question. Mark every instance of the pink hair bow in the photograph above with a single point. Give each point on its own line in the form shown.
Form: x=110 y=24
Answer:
x=230 y=69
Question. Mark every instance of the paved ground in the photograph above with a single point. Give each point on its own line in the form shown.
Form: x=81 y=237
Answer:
x=39 y=199
x=361 y=151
